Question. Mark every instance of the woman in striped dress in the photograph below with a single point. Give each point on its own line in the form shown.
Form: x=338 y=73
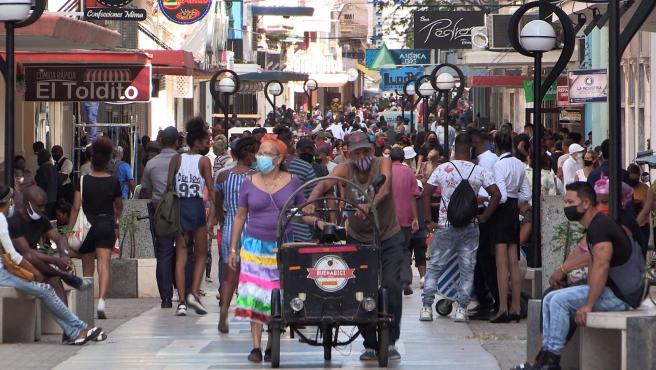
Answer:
x=228 y=186
x=261 y=199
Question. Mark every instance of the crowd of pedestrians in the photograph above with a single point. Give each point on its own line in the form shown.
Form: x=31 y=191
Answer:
x=467 y=199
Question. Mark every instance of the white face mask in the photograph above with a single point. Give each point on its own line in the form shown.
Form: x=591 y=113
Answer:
x=33 y=215
x=10 y=212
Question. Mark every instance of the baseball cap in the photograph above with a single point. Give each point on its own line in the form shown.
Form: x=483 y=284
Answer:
x=170 y=134
x=305 y=143
x=575 y=148
x=358 y=140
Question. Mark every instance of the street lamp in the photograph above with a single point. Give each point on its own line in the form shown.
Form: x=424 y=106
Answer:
x=444 y=83
x=425 y=91
x=224 y=82
x=273 y=88
x=309 y=86
x=14 y=14
x=536 y=38
x=409 y=92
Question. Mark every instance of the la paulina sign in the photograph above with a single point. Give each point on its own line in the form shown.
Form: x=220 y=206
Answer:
x=87 y=82
x=184 y=11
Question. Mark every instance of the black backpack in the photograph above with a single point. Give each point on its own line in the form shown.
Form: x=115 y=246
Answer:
x=463 y=205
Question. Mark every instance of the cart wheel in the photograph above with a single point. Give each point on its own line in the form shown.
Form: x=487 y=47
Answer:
x=327 y=335
x=383 y=344
x=276 y=304
x=275 y=345
x=444 y=307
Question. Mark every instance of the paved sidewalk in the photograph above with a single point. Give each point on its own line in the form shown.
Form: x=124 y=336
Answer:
x=159 y=340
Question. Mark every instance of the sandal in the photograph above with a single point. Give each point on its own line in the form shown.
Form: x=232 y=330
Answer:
x=92 y=334
x=101 y=337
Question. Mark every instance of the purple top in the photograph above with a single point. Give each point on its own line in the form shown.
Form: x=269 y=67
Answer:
x=263 y=210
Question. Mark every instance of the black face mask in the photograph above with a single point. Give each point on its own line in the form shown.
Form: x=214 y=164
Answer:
x=633 y=182
x=587 y=162
x=573 y=214
x=204 y=151
x=308 y=157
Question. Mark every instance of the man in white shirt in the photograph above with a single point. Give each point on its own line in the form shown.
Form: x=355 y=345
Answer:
x=571 y=165
x=439 y=130
x=449 y=240
x=336 y=130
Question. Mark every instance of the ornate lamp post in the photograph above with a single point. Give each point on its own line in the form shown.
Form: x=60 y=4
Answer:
x=444 y=83
x=309 y=86
x=536 y=38
x=14 y=14
x=409 y=90
x=224 y=82
x=273 y=88
x=425 y=91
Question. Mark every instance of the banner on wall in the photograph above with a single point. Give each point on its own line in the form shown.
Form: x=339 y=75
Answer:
x=400 y=56
x=446 y=29
x=588 y=86
x=395 y=78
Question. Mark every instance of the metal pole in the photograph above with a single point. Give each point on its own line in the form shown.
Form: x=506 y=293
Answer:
x=225 y=113
x=402 y=108
x=614 y=129
x=9 y=105
x=537 y=156
x=412 y=114
x=447 y=147
x=426 y=114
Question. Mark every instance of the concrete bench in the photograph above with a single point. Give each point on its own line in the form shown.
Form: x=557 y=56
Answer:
x=610 y=341
x=532 y=283
x=18 y=316
x=80 y=302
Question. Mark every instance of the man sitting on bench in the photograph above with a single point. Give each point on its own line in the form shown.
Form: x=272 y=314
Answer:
x=27 y=227
x=615 y=277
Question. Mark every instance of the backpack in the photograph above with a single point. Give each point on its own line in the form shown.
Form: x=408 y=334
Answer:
x=463 y=205
x=167 y=214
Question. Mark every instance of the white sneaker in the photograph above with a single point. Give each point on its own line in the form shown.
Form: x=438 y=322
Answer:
x=181 y=311
x=426 y=314
x=460 y=314
x=421 y=283
x=175 y=298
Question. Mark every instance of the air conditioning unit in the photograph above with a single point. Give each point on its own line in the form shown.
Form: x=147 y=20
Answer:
x=479 y=38
x=497 y=32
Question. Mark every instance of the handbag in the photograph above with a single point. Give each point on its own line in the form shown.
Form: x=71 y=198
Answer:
x=15 y=269
x=167 y=214
x=82 y=225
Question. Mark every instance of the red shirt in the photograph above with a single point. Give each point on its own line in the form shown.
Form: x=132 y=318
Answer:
x=404 y=189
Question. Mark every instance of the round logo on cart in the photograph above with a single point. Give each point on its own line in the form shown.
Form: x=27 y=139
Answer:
x=331 y=273
x=114 y=3
x=184 y=11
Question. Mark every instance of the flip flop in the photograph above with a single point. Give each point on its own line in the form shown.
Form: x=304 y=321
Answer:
x=101 y=337
x=92 y=334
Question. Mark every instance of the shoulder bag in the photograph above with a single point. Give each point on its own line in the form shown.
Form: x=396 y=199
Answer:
x=167 y=214
x=82 y=225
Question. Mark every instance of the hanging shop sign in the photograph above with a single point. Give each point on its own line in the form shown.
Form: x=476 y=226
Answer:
x=391 y=79
x=570 y=116
x=114 y=14
x=184 y=11
x=87 y=82
x=588 y=86
x=446 y=30
x=400 y=56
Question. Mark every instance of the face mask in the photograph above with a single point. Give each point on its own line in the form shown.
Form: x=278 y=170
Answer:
x=308 y=157
x=587 y=163
x=380 y=141
x=386 y=155
x=633 y=182
x=573 y=214
x=10 y=212
x=603 y=208
x=363 y=164
x=30 y=212
x=264 y=163
x=204 y=151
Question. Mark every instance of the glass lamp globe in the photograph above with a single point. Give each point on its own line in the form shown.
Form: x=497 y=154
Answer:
x=445 y=81
x=538 y=36
x=410 y=90
x=275 y=89
x=426 y=89
x=227 y=85
x=14 y=10
x=311 y=85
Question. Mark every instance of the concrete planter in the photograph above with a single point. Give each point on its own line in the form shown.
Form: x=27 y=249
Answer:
x=123 y=280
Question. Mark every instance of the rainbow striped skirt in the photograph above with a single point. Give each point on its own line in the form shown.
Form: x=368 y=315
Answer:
x=258 y=277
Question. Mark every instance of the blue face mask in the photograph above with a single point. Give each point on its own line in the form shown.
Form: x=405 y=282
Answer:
x=264 y=163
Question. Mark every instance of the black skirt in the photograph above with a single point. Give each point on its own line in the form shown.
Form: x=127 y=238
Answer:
x=506 y=223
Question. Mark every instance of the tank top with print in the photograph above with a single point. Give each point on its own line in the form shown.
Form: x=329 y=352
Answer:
x=189 y=182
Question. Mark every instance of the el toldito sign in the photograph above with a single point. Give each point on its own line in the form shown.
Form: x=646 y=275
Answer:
x=446 y=29
x=184 y=11
x=91 y=82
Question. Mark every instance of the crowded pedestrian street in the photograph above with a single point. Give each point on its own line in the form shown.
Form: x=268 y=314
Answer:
x=327 y=184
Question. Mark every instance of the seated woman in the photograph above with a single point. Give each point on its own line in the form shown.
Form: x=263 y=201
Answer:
x=75 y=331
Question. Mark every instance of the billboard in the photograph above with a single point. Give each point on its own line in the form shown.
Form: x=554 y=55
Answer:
x=446 y=29
x=588 y=86
x=395 y=78
x=400 y=56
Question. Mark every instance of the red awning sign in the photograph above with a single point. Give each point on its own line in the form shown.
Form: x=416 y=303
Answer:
x=91 y=82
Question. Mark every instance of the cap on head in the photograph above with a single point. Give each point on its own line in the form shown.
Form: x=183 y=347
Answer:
x=575 y=148
x=169 y=136
x=358 y=140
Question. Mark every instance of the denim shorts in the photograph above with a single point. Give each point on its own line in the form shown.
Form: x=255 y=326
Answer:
x=192 y=213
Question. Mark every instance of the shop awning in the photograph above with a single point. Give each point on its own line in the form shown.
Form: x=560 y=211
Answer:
x=330 y=79
x=368 y=73
x=504 y=81
x=172 y=62
x=57 y=32
x=82 y=56
x=266 y=76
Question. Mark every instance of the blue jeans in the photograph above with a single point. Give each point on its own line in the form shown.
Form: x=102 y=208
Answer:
x=559 y=305
x=462 y=241
x=71 y=325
